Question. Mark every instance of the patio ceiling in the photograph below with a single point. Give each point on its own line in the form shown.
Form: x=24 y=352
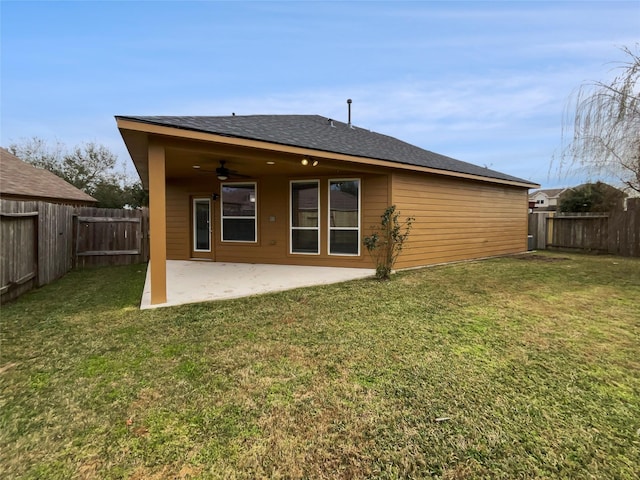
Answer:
x=245 y=161
x=181 y=155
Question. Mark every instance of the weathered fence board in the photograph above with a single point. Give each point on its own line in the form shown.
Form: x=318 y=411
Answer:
x=589 y=234
x=538 y=228
x=41 y=241
x=110 y=237
x=624 y=231
x=18 y=247
x=55 y=241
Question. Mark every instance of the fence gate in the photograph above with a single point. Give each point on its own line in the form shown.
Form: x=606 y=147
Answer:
x=107 y=240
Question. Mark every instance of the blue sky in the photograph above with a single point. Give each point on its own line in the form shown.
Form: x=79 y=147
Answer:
x=483 y=82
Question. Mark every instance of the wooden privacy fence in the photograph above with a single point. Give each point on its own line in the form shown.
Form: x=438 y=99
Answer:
x=40 y=242
x=582 y=232
x=616 y=233
x=105 y=236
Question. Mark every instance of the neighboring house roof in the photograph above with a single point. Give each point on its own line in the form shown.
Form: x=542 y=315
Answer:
x=19 y=179
x=323 y=134
x=549 y=192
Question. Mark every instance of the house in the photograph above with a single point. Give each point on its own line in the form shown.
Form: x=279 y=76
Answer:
x=546 y=199
x=305 y=190
x=20 y=180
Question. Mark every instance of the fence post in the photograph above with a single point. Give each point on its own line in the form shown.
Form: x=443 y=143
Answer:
x=74 y=240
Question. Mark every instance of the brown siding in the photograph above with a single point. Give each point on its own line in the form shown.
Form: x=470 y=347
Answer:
x=179 y=194
x=455 y=220
x=459 y=219
x=273 y=236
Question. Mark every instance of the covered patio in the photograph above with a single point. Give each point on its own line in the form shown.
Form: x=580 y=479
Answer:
x=194 y=281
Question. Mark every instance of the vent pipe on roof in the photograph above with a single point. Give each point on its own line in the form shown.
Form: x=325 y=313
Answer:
x=349 y=108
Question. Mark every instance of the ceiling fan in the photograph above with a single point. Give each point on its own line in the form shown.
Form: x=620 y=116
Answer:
x=222 y=172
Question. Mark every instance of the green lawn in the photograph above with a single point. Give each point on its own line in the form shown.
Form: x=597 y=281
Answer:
x=522 y=367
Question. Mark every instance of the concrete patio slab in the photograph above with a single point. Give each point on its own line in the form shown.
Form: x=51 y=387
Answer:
x=196 y=281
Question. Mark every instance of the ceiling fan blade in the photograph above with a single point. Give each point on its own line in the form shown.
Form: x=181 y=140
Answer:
x=223 y=171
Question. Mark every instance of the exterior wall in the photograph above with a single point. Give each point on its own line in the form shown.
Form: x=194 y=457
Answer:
x=179 y=195
x=272 y=205
x=459 y=219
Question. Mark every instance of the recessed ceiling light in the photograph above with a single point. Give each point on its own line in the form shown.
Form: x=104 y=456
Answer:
x=196 y=166
x=271 y=163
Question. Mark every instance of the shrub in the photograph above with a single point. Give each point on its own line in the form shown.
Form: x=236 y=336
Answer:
x=385 y=246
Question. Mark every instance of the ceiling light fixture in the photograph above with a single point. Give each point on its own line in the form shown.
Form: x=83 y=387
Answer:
x=315 y=163
x=222 y=172
x=304 y=161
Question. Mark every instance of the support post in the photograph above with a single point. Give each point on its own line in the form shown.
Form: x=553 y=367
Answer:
x=157 y=224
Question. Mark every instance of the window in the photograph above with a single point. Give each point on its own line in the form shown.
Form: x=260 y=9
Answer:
x=344 y=217
x=201 y=225
x=304 y=215
x=239 y=220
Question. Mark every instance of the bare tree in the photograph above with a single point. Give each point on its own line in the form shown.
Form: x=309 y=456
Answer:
x=604 y=140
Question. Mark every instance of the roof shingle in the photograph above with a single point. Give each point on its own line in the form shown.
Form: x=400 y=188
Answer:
x=324 y=134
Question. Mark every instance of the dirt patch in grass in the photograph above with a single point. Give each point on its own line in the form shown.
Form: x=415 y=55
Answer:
x=540 y=258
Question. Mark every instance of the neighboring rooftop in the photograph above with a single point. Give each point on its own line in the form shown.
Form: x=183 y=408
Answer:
x=21 y=180
x=549 y=192
x=324 y=134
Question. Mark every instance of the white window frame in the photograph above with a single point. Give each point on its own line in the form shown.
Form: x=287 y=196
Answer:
x=193 y=232
x=292 y=228
x=243 y=217
x=330 y=228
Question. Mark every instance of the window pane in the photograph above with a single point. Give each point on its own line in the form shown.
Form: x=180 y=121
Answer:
x=304 y=204
x=344 y=242
x=202 y=224
x=344 y=203
x=304 y=241
x=239 y=200
x=239 y=229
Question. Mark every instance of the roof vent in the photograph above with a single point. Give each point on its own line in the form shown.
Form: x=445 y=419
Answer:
x=349 y=101
x=330 y=120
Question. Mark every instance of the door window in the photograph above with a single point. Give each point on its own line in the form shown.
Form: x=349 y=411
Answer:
x=201 y=225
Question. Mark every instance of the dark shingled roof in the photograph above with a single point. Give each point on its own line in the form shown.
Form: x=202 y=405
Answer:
x=320 y=133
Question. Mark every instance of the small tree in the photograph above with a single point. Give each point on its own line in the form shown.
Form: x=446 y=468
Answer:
x=385 y=247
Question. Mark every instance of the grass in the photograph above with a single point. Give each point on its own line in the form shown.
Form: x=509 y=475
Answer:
x=522 y=367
